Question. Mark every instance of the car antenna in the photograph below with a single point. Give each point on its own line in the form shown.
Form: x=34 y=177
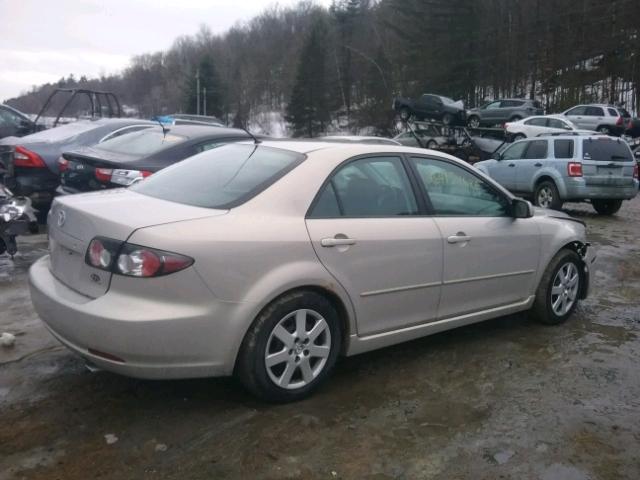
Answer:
x=164 y=129
x=255 y=140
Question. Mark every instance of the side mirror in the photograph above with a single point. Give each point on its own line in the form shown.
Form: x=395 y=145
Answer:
x=496 y=156
x=521 y=208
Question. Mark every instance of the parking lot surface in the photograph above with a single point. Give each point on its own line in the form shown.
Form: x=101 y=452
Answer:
x=507 y=398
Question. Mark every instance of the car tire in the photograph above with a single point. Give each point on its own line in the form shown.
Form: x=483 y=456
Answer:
x=447 y=119
x=606 y=207
x=559 y=290
x=515 y=118
x=604 y=130
x=519 y=136
x=473 y=122
x=432 y=144
x=546 y=196
x=295 y=367
x=405 y=114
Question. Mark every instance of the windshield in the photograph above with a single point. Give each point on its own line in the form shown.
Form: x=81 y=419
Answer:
x=221 y=178
x=141 y=143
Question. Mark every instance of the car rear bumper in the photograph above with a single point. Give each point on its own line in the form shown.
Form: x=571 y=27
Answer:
x=39 y=184
x=576 y=189
x=140 y=337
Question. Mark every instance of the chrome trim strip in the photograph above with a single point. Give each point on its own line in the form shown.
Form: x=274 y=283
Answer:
x=488 y=277
x=400 y=289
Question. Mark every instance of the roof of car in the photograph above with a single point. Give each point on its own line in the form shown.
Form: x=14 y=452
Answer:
x=351 y=148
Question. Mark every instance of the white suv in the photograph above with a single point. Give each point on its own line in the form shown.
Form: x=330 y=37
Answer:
x=599 y=117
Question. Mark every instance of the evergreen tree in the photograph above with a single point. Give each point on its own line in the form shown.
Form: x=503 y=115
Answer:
x=209 y=83
x=308 y=110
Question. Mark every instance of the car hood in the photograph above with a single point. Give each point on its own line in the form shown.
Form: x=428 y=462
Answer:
x=555 y=214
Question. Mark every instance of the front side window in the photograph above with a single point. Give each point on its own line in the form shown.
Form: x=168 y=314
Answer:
x=492 y=105
x=368 y=187
x=515 y=151
x=454 y=191
x=577 y=111
x=537 y=149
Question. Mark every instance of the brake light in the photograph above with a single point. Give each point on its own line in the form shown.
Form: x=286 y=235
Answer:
x=63 y=164
x=103 y=174
x=620 y=121
x=574 y=169
x=133 y=260
x=129 y=177
x=27 y=159
x=635 y=171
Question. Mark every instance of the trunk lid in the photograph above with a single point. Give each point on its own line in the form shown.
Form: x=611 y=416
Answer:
x=80 y=175
x=75 y=220
x=607 y=161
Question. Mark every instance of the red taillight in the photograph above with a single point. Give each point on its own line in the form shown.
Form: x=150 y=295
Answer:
x=620 y=121
x=133 y=260
x=63 y=164
x=635 y=171
x=103 y=174
x=574 y=169
x=27 y=159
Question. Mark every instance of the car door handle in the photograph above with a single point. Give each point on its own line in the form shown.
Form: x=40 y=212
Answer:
x=336 y=242
x=459 y=237
x=537 y=164
x=512 y=164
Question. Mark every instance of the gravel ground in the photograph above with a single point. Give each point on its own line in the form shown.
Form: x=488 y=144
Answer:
x=506 y=399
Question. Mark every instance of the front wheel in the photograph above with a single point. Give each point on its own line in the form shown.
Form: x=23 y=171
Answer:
x=519 y=136
x=604 y=130
x=559 y=289
x=474 y=122
x=606 y=207
x=547 y=196
x=291 y=347
x=405 y=114
x=447 y=119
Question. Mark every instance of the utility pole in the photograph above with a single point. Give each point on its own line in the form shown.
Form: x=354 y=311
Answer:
x=204 y=100
x=198 y=91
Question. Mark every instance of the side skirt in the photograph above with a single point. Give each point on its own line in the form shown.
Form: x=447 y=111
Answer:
x=373 y=342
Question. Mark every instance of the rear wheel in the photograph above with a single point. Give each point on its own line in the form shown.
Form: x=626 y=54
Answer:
x=604 y=129
x=547 y=196
x=557 y=294
x=432 y=144
x=474 y=122
x=291 y=347
x=606 y=207
x=515 y=118
x=519 y=136
x=447 y=119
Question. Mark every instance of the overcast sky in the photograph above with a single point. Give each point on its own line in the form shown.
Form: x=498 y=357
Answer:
x=43 y=40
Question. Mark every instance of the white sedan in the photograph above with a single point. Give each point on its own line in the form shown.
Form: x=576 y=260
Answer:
x=542 y=124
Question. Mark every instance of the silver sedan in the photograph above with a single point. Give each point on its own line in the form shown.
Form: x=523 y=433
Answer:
x=270 y=260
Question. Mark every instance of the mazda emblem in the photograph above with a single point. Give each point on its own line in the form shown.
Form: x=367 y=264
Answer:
x=62 y=217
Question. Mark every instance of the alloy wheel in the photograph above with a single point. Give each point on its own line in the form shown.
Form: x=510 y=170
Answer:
x=297 y=349
x=564 y=289
x=545 y=197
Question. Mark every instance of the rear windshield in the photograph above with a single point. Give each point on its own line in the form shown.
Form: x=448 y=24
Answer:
x=141 y=143
x=221 y=178
x=606 y=150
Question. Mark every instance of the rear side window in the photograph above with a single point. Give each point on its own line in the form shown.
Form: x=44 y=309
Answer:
x=595 y=112
x=606 y=150
x=368 y=187
x=537 y=122
x=537 y=149
x=612 y=112
x=563 y=148
x=555 y=123
x=220 y=178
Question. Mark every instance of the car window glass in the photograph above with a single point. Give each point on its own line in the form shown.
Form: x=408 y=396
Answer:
x=605 y=149
x=203 y=147
x=537 y=149
x=373 y=187
x=124 y=131
x=537 y=122
x=492 y=105
x=454 y=191
x=220 y=178
x=612 y=112
x=594 y=112
x=326 y=205
x=515 y=151
x=555 y=123
x=577 y=111
x=144 y=142
x=563 y=148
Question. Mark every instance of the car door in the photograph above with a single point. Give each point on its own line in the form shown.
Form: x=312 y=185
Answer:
x=558 y=126
x=503 y=170
x=491 y=113
x=578 y=116
x=490 y=258
x=534 y=158
x=366 y=229
x=593 y=118
x=536 y=126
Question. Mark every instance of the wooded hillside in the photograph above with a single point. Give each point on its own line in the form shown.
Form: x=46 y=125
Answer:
x=347 y=62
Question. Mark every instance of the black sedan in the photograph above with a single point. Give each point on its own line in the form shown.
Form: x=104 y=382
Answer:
x=127 y=159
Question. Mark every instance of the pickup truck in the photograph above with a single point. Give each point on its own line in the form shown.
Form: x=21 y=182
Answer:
x=429 y=106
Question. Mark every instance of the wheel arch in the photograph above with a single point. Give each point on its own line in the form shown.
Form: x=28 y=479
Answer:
x=547 y=175
x=579 y=248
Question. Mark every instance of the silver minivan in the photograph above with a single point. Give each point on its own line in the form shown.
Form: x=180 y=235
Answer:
x=556 y=169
